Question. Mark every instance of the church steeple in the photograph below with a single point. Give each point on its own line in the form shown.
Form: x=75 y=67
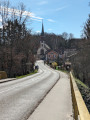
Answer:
x=42 y=33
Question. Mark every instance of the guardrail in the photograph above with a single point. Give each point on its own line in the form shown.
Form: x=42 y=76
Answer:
x=80 y=109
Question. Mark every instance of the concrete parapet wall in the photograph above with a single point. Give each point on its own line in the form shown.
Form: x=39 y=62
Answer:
x=80 y=109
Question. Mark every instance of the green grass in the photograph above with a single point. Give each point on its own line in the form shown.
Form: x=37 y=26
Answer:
x=63 y=71
x=81 y=83
x=18 y=77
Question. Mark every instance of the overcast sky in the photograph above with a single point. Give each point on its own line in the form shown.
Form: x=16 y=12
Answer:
x=58 y=15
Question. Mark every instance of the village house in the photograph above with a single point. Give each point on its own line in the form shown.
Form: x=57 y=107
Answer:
x=51 y=55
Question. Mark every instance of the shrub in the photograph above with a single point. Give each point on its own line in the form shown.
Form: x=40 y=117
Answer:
x=3 y=75
x=54 y=64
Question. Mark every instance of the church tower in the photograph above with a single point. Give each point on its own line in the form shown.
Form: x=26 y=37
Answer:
x=42 y=43
x=43 y=46
x=42 y=32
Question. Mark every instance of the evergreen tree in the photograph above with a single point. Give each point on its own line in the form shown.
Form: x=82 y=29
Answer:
x=87 y=29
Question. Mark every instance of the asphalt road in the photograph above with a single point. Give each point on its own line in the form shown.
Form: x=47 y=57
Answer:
x=20 y=97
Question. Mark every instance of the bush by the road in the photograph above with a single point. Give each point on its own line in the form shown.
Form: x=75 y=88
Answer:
x=85 y=92
x=3 y=75
x=54 y=64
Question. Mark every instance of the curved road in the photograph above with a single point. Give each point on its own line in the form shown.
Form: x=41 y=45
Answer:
x=20 y=97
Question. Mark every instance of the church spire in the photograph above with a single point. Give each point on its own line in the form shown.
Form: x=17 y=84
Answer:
x=42 y=33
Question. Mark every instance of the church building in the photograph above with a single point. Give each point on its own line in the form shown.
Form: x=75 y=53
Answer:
x=41 y=52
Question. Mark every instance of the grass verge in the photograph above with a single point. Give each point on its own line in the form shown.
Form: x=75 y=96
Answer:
x=63 y=71
x=85 y=92
x=18 y=77
x=81 y=83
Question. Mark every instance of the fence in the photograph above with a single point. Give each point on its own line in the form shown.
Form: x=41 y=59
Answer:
x=80 y=109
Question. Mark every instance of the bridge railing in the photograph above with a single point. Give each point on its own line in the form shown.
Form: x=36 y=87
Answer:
x=80 y=109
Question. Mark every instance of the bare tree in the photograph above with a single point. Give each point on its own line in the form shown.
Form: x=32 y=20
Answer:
x=65 y=35
x=4 y=11
x=81 y=62
x=71 y=36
